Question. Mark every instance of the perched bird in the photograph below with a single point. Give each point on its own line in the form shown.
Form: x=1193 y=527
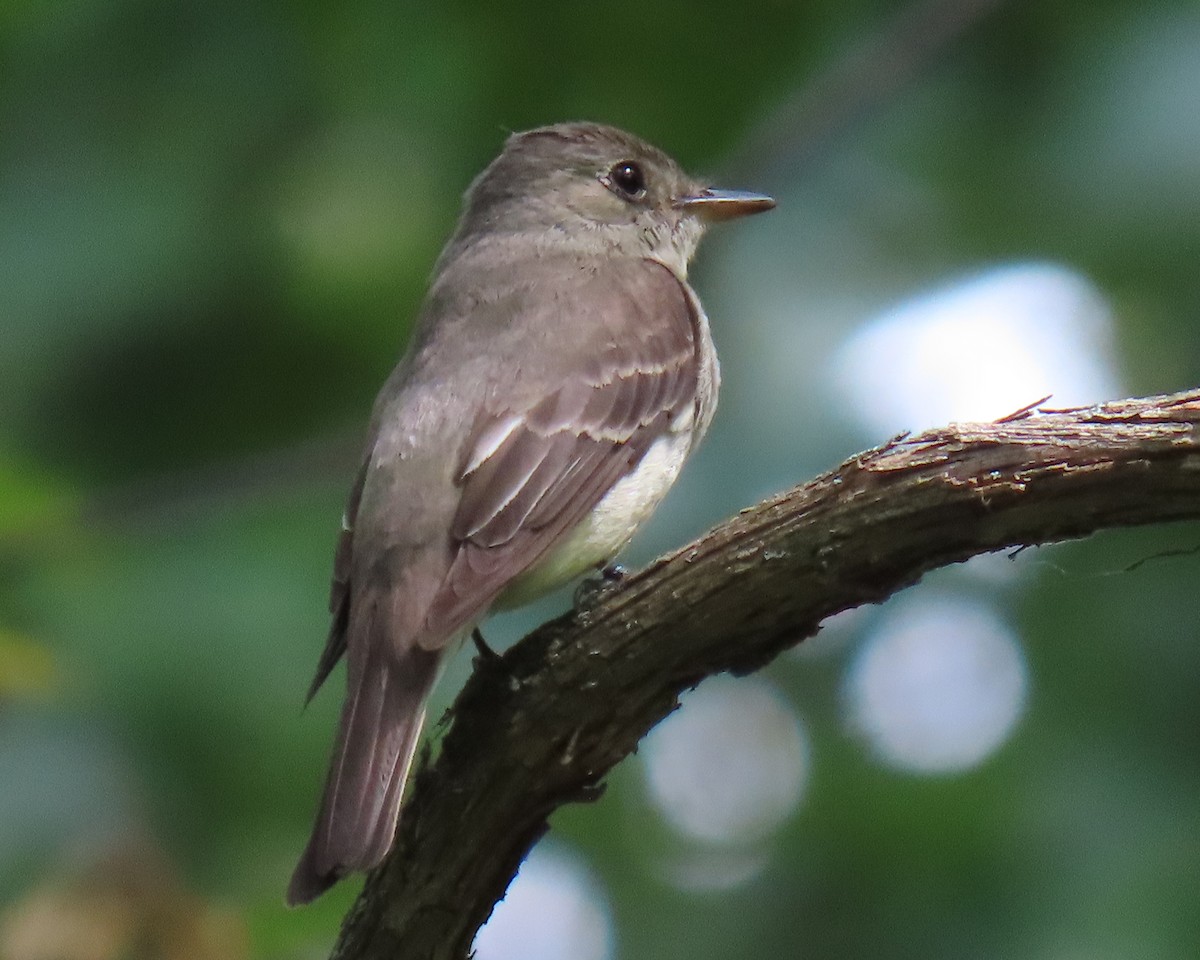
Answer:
x=560 y=373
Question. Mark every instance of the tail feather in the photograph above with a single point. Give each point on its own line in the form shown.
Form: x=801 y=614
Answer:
x=377 y=737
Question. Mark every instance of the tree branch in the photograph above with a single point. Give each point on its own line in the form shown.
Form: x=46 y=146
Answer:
x=544 y=726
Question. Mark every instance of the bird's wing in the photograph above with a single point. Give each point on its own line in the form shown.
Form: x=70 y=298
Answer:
x=530 y=474
x=339 y=588
x=628 y=342
x=619 y=364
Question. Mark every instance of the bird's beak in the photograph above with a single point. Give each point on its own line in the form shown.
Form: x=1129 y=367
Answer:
x=713 y=204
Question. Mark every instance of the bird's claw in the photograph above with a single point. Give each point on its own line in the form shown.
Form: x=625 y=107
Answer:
x=592 y=589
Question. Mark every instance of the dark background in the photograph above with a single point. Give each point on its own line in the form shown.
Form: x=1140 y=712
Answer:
x=216 y=223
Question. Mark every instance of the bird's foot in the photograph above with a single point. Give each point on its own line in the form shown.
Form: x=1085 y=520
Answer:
x=592 y=589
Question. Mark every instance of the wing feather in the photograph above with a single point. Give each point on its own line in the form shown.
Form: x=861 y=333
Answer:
x=555 y=461
x=339 y=589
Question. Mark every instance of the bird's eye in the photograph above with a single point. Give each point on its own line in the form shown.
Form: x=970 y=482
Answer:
x=627 y=179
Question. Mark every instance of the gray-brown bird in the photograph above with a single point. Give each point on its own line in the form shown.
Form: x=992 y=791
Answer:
x=560 y=373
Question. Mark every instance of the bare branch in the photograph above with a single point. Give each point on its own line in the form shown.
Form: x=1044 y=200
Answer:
x=543 y=727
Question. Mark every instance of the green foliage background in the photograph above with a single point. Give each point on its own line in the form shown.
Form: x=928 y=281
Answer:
x=216 y=223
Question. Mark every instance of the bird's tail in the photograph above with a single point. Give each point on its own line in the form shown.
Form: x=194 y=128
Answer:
x=380 y=725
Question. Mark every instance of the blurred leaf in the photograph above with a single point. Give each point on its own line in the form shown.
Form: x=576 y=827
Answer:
x=31 y=498
x=27 y=669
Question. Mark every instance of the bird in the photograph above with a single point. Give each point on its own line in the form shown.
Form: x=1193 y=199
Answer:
x=560 y=372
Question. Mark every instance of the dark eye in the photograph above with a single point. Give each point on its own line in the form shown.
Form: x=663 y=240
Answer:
x=627 y=178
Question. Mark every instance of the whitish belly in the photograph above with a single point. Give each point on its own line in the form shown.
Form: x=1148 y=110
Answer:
x=601 y=535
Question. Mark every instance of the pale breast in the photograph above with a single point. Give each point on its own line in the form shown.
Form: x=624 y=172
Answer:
x=610 y=525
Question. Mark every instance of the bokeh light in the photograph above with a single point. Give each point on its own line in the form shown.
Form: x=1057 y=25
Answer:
x=554 y=910
x=980 y=348
x=730 y=766
x=938 y=685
